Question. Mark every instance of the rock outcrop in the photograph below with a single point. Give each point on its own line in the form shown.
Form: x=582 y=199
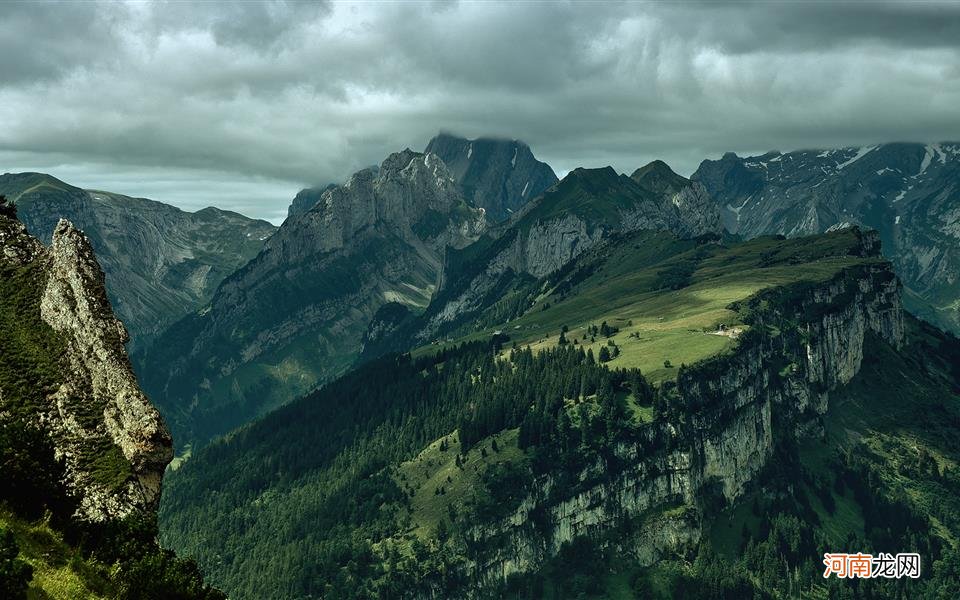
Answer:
x=499 y=176
x=160 y=262
x=112 y=441
x=306 y=199
x=909 y=193
x=295 y=315
x=805 y=340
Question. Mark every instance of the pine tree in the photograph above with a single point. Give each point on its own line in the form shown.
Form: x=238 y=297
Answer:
x=7 y=208
x=604 y=354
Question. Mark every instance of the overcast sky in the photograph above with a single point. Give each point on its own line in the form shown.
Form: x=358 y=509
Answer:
x=240 y=105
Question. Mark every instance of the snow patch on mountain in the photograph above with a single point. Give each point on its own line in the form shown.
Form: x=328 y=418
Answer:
x=861 y=152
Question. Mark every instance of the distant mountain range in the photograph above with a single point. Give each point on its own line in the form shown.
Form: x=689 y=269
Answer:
x=497 y=175
x=161 y=262
x=402 y=257
x=910 y=193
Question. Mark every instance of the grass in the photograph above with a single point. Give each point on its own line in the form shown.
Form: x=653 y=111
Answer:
x=434 y=468
x=641 y=413
x=58 y=571
x=625 y=289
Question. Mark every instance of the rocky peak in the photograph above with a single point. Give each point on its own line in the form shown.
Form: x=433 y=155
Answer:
x=412 y=194
x=497 y=175
x=113 y=442
x=659 y=177
x=309 y=295
x=306 y=199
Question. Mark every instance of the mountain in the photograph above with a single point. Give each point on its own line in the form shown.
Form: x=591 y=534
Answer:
x=671 y=417
x=82 y=449
x=499 y=176
x=161 y=262
x=910 y=193
x=306 y=199
x=500 y=274
x=295 y=314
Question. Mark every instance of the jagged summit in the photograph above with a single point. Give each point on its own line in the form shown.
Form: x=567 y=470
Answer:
x=404 y=193
x=305 y=300
x=659 y=177
x=112 y=440
x=498 y=175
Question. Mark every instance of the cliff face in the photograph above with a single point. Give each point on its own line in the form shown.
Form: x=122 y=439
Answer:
x=295 y=315
x=112 y=441
x=306 y=199
x=804 y=341
x=160 y=262
x=499 y=176
x=909 y=193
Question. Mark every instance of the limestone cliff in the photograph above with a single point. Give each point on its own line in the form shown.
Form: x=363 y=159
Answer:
x=499 y=176
x=804 y=341
x=112 y=441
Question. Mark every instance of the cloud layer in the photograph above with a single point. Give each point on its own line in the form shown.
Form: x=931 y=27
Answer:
x=239 y=105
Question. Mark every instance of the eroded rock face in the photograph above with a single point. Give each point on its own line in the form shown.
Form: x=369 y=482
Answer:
x=112 y=440
x=737 y=401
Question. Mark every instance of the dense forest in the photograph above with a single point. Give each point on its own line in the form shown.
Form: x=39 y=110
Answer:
x=380 y=415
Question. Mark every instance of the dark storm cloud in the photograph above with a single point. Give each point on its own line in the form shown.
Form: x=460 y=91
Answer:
x=220 y=103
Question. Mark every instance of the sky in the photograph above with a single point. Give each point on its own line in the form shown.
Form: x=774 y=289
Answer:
x=239 y=105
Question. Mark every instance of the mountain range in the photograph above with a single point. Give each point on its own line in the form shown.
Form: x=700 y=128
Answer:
x=909 y=193
x=160 y=262
x=295 y=314
x=453 y=375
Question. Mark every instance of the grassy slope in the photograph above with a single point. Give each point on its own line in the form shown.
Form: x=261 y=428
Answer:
x=659 y=324
x=435 y=468
x=625 y=285
x=59 y=571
